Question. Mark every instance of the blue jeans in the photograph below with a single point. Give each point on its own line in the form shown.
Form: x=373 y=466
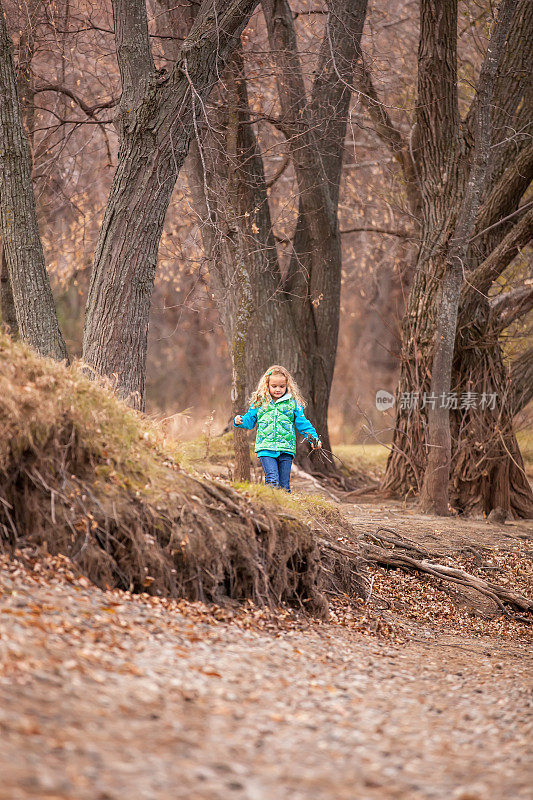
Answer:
x=277 y=470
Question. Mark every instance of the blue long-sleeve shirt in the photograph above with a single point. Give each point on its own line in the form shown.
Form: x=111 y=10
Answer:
x=301 y=424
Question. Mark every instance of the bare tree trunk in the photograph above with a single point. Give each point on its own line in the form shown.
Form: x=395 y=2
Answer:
x=316 y=131
x=34 y=304
x=481 y=440
x=238 y=239
x=157 y=119
x=522 y=381
x=434 y=497
x=437 y=147
x=25 y=92
x=7 y=303
x=485 y=440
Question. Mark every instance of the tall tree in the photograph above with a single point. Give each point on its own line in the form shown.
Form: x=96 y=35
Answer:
x=434 y=496
x=315 y=128
x=292 y=321
x=157 y=116
x=487 y=468
x=23 y=251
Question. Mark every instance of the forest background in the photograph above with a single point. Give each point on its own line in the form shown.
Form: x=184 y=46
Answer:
x=69 y=83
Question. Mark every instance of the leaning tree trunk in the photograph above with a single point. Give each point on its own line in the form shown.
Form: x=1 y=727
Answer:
x=32 y=295
x=157 y=119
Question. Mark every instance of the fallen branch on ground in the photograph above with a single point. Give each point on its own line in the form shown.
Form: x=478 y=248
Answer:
x=385 y=557
x=500 y=594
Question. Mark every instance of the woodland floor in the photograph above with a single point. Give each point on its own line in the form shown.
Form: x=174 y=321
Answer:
x=423 y=692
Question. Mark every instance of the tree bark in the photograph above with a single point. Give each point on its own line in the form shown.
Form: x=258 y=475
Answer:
x=236 y=241
x=32 y=295
x=478 y=442
x=315 y=133
x=7 y=303
x=434 y=496
x=521 y=381
x=438 y=148
x=157 y=117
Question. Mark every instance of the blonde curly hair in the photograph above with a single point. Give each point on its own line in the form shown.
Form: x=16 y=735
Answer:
x=262 y=395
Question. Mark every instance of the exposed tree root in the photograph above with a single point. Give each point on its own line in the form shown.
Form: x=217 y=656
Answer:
x=196 y=543
x=84 y=476
x=500 y=594
x=503 y=597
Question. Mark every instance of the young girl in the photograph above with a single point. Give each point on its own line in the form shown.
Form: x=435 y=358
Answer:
x=277 y=408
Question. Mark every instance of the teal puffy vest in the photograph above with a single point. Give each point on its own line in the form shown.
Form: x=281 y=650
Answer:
x=275 y=426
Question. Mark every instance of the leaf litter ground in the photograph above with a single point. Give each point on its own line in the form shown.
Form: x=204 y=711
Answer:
x=418 y=693
x=421 y=690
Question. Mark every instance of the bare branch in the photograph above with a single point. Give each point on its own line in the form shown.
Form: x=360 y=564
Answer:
x=386 y=231
x=500 y=258
x=510 y=306
x=89 y=110
x=517 y=213
x=389 y=135
x=279 y=172
x=507 y=192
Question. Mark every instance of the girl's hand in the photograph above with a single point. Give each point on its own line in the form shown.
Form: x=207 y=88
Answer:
x=319 y=445
x=238 y=420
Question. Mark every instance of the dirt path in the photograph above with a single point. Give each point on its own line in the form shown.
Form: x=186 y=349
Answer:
x=104 y=696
